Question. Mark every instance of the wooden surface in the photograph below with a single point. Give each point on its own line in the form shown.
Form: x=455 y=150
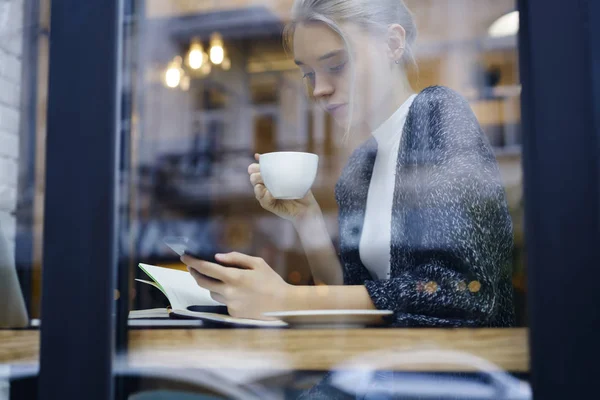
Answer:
x=19 y=347
x=390 y=349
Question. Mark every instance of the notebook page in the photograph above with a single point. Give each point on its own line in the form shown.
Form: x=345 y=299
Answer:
x=150 y=313
x=180 y=287
x=230 y=320
x=152 y=283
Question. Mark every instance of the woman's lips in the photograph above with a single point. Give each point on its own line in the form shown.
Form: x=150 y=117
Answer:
x=336 y=109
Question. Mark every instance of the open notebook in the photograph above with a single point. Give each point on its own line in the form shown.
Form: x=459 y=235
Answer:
x=188 y=300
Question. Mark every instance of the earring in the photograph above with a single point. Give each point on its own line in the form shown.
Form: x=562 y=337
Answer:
x=399 y=61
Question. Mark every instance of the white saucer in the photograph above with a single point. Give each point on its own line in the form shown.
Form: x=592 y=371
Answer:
x=331 y=318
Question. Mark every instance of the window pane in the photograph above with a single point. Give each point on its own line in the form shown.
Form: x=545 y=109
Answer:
x=24 y=30
x=415 y=207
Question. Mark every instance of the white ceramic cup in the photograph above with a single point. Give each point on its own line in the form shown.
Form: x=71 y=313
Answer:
x=289 y=175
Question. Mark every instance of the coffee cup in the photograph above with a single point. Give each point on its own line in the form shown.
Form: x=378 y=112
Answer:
x=288 y=175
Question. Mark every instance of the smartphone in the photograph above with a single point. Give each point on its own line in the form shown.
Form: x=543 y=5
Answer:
x=185 y=246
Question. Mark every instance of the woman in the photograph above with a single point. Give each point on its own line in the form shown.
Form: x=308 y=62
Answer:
x=423 y=219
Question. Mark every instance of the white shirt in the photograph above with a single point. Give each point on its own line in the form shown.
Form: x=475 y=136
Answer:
x=375 y=241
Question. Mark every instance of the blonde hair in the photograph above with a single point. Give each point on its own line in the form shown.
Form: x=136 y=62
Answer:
x=371 y=15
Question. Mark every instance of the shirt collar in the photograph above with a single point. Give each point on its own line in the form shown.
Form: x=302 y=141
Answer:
x=392 y=127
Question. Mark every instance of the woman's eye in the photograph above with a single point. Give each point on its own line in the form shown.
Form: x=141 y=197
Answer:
x=310 y=76
x=338 y=68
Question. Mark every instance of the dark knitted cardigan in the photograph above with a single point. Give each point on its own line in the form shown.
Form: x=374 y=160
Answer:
x=451 y=231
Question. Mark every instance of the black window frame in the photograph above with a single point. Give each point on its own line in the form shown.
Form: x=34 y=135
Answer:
x=80 y=214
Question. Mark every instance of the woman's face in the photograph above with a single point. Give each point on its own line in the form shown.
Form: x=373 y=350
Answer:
x=326 y=66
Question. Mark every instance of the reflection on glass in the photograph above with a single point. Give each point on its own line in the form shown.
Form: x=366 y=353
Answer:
x=424 y=228
x=415 y=207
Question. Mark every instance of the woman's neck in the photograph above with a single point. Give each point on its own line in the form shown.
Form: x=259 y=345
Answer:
x=400 y=91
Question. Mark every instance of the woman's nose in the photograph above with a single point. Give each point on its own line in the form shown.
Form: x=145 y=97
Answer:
x=323 y=88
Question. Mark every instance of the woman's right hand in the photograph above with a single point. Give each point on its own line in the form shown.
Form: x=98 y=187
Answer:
x=291 y=210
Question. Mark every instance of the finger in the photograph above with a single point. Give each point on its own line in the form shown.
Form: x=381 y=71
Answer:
x=260 y=191
x=206 y=268
x=256 y=178
x=257 y=156
x=239 y=260
x=253 y=168
x=206 y=282
x=218 y=298
x=267 y=197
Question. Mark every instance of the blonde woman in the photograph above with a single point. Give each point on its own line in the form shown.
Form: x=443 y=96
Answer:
x=423 y=219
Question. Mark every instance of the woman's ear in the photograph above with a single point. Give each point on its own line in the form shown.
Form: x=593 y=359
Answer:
x=396 y=42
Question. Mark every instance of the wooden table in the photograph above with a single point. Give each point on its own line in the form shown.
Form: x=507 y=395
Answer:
x=305 y=350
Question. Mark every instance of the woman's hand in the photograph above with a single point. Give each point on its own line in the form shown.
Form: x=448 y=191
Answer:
x=290 y=210
x=246 y=285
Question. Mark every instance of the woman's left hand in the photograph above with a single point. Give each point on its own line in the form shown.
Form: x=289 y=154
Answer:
x=247 y=285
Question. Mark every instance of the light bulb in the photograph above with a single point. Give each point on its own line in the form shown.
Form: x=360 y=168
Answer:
x=217 y=53
x=226 y=64
x=195 y=56
x=506 y=25
x=173 y=75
